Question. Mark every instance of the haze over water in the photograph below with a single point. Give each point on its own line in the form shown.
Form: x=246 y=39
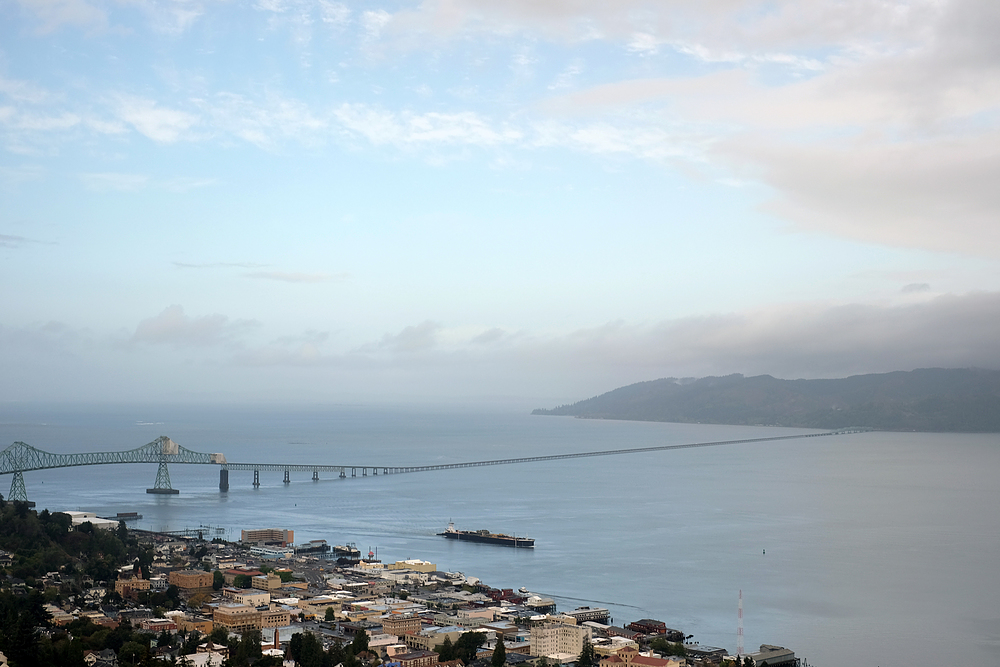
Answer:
x=883 y=545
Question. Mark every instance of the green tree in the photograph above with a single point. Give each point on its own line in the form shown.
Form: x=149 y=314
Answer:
x=587 y=656
x=242 y=581
x=218 y=580
x=664 y=647
x=445 y=650
x=468 y=644
x=499 y=655
x=330 y=615
x=360 y=643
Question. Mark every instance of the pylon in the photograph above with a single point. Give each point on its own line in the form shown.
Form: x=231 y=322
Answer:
x=17 y=490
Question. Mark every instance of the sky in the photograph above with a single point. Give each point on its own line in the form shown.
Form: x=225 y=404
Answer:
x=505 y=201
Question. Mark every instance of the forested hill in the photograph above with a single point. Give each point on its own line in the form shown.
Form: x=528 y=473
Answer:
x=927 y=399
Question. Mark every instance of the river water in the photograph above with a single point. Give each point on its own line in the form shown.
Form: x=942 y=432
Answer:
x=872 y=548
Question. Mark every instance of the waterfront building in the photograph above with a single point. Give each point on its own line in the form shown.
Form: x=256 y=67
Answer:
x=596 y=614
x=775 y=656
x=555 y=639
x=268 y=536
x=648 y=626
x=413 y=564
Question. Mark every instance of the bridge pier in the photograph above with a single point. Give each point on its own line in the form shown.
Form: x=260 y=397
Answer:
x=256 y=478
x=17 y=490
x=315 y=475
x=162 y=484
x=287 y=479
x=343 y=473
x=223 y=480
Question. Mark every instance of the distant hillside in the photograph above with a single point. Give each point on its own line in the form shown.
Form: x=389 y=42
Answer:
x=927 y=399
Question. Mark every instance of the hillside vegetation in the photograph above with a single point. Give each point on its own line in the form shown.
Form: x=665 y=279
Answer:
x=927 y=399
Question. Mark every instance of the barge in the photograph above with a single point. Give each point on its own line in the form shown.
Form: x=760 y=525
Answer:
x=486 y=537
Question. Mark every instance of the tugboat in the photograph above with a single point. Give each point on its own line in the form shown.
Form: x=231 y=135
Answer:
x=486 y=537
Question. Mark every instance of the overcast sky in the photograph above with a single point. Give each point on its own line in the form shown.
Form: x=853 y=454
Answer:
x=506 y=200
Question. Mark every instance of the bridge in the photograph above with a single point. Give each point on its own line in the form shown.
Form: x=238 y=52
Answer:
x=20 y=458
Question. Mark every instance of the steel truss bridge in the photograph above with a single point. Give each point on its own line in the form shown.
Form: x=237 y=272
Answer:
x=20 y=458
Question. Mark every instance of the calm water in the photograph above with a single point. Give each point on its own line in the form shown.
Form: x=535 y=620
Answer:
x=881 y=548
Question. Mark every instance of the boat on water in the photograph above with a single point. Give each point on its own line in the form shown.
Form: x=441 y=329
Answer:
x=486 y=537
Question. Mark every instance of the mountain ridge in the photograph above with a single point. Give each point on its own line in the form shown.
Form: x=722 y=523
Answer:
x=925 y=399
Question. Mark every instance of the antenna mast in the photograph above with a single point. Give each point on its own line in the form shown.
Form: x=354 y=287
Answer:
x=739 y=626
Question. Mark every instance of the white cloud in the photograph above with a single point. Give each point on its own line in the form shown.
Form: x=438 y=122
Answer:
x=373 y=22
x=380 y=127
x=157 y=123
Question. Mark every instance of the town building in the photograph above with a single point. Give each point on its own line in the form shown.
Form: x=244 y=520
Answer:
x=130 y=587
x=556 y=639
x=268 y=536
x=191 y=581
x=775 y=656
x=247 y=596
x=596 y=614
x=237 y=617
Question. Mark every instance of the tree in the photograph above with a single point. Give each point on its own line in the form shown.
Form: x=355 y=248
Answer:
x=242 y=581
x=330 y=615
x=360 y=643
x=446 y=650
x=218 y=580
x=499 y=655
x=587 y=656
x=468 y=644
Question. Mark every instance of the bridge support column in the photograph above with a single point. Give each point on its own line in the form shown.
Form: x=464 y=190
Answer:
x=343 y=473
x=354 y=472
x=162 y=484
x=287 y=479
x=364 y=472
x=223 y=480
x=256 y=478
x=17 y=490
x=315 y=475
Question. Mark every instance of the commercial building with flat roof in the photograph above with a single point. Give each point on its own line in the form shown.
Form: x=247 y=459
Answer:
x=268 y=536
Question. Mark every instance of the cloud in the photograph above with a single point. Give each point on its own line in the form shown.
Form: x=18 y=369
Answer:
x=416 y=338
x=406 y=129
x=809 y=340
x=914 y=288
x=173 y=327
x=286 y=277
x=157 y=123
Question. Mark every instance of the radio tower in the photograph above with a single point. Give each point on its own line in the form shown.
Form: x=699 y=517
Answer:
x=739 y=626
